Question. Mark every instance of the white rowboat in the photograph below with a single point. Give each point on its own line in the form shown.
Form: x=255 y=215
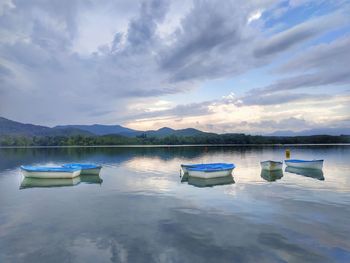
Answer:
x=210 y=170
x=271 y=165
x=49 y=172
x=305 y=164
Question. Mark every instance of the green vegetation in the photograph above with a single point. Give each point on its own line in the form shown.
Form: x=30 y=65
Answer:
x=82 y=140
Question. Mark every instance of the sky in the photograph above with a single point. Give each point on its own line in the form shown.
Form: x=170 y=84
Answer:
x=254 y=66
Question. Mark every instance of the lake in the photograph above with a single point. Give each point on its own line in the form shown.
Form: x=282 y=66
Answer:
x=140 y=210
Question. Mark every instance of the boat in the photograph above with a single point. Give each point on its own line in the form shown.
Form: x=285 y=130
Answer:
x=305 y=164
x=86 y=168
x=271 y=165
x=312 y=173
x=271 y=175
x=50 y=172
x=210 y=182
x=209 y=170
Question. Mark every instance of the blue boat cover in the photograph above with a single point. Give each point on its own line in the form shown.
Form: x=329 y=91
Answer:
x=82 y=165
x=302 y=161
x=210 y=167
x=49 y=169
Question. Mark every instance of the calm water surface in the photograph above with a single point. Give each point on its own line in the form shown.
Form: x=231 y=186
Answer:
x=140 y=210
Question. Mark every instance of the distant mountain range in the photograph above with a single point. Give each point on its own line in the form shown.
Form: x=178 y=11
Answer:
x=9 y=127
x=310 y=132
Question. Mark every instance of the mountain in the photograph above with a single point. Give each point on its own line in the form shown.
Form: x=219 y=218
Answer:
x=165 y=131
x=99 y=129
x=320 y=131
x=9 y=127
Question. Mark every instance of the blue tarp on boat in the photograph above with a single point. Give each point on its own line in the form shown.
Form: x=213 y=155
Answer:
x=82 y=165
x=49 y=169
x=210 y=167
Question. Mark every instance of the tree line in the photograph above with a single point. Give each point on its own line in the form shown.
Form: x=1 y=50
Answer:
x=82 y=140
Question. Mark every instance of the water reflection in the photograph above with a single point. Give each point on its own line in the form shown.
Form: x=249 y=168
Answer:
x=56 y=182
x=313 y=173
x=142 y=213
x=202 y=182
x=271 y=176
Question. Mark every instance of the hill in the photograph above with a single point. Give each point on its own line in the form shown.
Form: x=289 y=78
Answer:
x=311 y=132
x=14 y=133
x=99 y=129
x=14 y=128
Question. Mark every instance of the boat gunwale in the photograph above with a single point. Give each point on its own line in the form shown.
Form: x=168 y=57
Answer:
x=209 y=167
x=302 y=161
x=82 y=166
x=45 y=169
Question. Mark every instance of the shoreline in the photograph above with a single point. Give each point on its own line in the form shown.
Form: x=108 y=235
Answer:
x=175 y=146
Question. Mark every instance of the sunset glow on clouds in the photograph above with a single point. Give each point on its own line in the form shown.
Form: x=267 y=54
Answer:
x=280 y=65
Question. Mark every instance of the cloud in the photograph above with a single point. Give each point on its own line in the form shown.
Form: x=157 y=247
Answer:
x=280 y=98
x=299 y=34
x=320 y=65
x=306 y=80
x=85 y=61
x=334 y=55
x=248 y=114
x=212 y=41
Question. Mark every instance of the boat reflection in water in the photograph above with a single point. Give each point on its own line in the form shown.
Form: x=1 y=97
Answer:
x=271 y=176
x=210 y=182
x=313 y=173
x=59 y=182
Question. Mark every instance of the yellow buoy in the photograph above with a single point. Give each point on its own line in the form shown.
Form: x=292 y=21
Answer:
x=287 y=153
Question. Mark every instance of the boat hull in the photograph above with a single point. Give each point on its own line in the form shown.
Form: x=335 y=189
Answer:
x=211 y=174
x=184 y=169
x=86 y=169
x=271 y=165
x=314 y=164
x=217 y=169
x=48 y=174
